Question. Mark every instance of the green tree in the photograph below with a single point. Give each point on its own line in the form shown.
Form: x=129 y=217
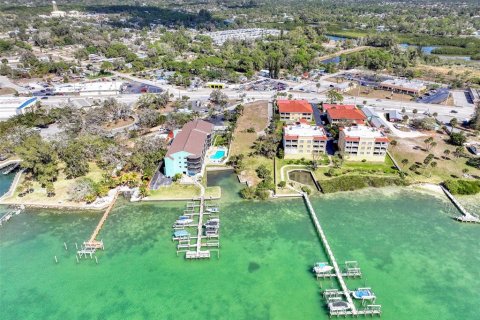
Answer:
x=40 y=158
x=334 y=96
x=76 y=162
x=457 y=138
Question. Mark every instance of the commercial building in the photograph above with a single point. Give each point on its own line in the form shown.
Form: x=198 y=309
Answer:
x=301 y=140
x=344 y=114
x=294 y=110
x=363 y=143
x=90 y=88
x=403 y=86
x=187 y=151
x=12 y=106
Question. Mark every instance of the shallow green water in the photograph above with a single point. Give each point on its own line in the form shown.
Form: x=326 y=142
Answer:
x=5 y=182
x=421 y=264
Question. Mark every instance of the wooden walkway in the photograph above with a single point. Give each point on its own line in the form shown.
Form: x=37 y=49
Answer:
x=199 y=253
x=332 y=259
x=466 y=215
x=103 y=219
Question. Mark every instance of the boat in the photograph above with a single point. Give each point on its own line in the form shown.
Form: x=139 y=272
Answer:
x=322 y=267
x=183 y=221
x=181 y=234
x=363 y=294
x=212 y=223
x=183 y=217
x=212 y=210
x=339 y=306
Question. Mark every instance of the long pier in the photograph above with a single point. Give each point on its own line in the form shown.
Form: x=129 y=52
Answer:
x=103 y=219
x=331 y=257
x=466 y=215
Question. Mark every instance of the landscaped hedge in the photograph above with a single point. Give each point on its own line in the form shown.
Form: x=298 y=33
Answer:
x=463 y=186
x=354 y=182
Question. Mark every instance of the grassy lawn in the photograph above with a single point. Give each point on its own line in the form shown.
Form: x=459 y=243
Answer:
x=62 y=188
x=175 y=191
x=255 y=115
x=364 y=92
x=447 y=167
x=214 y=192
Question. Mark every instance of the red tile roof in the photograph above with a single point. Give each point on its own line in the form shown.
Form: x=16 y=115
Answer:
x=346 y=114
x=327 y=106
x=320 y=138
x=294 y=106
x=192 y=138
x=347 y=138
x=288 y=137
x=383 y=139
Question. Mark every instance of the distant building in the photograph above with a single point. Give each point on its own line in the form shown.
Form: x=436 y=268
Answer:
x=327 y=106
x=12 y=106
x=474 y=94
x=294 y=110
x=395 y=116
x=363 y=143
x=187 y=151
x=90 y=88
x=403 y=86
x=302 y=140
x=345 y=114
x=374 y=119
x=220 y=37
x=57 y=13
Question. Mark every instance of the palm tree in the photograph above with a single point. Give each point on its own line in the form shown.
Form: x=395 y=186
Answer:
x=428 y=141
x=404 y=162
x=433 y=145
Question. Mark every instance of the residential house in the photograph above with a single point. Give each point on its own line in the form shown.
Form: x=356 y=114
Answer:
x=345 y=114
x=301 y=140
x=294 y=110
x=363 y=143
x=186 y=153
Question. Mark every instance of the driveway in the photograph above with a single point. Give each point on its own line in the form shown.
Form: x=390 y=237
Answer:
x=398 y=133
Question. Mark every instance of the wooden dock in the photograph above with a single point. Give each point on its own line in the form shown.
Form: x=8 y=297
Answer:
x=331 y=257
x=103 y=219
x=90 y=246
x=466 y=215
x=192 y=245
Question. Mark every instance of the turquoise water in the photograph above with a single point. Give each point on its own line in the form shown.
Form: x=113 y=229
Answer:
x=219 y=154
x=5 y=182
x=419 y=263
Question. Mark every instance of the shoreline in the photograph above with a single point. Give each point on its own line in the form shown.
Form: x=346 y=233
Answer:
x=426 y=188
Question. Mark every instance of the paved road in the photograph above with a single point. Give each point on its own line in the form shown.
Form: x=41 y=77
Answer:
x=464 y=111
x=6 y=83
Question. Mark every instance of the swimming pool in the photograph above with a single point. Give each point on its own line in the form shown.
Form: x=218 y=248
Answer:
x=219 y=154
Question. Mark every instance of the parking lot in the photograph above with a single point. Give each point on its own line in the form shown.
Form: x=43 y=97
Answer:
x=435 y=96
x=265 y=85
x=136 y=87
